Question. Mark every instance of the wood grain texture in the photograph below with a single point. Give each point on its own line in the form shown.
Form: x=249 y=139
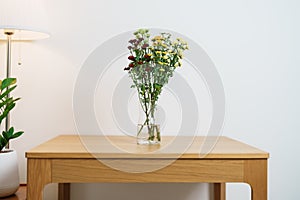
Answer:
x=38 y=175
x=189 y=171
x=219 y=191
x=256 y=175
x=67 y=159
x=73 y=146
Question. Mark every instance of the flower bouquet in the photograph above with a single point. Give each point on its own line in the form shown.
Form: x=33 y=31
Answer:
x=152 y=62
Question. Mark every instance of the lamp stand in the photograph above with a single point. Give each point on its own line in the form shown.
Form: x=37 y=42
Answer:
x=8 y=72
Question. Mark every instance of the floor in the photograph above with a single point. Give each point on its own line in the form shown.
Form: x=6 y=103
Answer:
x=20 y=195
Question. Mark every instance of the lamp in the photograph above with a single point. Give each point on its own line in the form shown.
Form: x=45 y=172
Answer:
x=20 y=20
x=10 y=34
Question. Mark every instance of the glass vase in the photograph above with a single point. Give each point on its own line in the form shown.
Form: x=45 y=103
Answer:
x=148 y=134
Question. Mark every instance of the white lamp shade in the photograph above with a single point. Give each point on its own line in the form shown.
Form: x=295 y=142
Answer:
x=22 y=34
x=25 y=18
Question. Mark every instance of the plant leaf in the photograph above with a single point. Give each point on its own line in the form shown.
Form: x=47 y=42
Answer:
x=17 y=134
x=4 y=94
x=3 y=142
x=6 y=111
x=5 y=102
x=5 y=135
x=8 y=82
x=11 y=131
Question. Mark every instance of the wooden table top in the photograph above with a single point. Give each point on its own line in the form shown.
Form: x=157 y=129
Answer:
x=183 y=147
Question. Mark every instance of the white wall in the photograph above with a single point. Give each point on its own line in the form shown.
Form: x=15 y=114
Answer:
x=254 y=44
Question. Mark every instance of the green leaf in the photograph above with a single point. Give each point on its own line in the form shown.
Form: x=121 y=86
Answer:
x=6 y=105
x=5 y=135
x=6 y=111
x=17 y=134
x=4 y=94
x=8 y=135
x=3 y=142
x=9 y=107
x=8 y=82
x=6 y=102
x=11 y=131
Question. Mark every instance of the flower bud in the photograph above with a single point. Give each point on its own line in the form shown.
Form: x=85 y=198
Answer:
x=131 y=58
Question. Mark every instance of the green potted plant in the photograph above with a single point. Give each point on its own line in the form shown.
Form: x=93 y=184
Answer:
x=9 y=172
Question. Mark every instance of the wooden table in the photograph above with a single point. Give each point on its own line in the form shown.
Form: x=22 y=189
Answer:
x=65 y=159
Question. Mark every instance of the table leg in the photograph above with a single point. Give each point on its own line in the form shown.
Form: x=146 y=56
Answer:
x=256 y=175
x=38 y=175
x=64 y=191
x=219 y=191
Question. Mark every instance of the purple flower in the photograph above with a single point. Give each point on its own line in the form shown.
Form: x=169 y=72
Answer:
x=145 y=46
x=129 y=47
x=132 y=41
